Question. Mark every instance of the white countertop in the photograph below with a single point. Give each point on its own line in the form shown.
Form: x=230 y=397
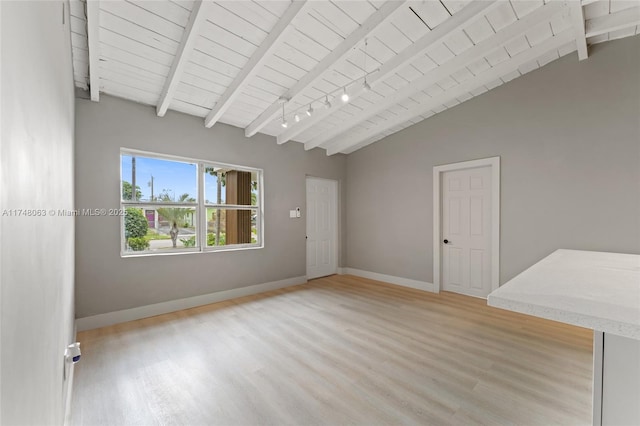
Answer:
x=589 y=289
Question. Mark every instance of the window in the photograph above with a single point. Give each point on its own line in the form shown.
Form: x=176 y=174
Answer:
x=184 y=205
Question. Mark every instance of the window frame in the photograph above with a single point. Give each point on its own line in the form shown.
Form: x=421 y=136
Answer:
x=200 y=206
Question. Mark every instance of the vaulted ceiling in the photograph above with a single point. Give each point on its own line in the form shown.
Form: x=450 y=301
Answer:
x=265 y=64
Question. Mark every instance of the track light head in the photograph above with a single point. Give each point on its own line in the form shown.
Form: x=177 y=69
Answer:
x=345 y=96
x=310 y=110
x=296 y=118
x=366 y=86
x=284 y=123
x=327 y=104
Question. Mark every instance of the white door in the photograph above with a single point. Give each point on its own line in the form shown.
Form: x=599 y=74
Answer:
x=322 y=235
x=466 y=231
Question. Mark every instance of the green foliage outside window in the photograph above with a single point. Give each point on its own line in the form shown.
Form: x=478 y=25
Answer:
x=138 y=243
x=135 y=224
x=189 y=242
x=127 y=191
x=135 y=229
x=211 y=239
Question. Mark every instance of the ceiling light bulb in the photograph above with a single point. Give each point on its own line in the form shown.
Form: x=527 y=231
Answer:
x=345 y=96
x=284 y=123
x=327 y=104
x=297 y=118
x=310 y=111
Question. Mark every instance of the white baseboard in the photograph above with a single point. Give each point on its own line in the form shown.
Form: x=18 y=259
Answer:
x=69 y=394
x=110 y=318
x=341 y=270
x=67 y=405
x=404 y=282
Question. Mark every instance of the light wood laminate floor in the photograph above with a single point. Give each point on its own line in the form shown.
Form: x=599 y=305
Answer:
x=338 y=350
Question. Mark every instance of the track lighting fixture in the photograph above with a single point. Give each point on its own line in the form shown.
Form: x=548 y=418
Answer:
x=327 y=103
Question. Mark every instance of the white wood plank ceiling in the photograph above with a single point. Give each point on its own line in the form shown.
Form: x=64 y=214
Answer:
x=239 y=62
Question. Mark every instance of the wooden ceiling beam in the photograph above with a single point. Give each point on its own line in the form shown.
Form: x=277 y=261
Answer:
x=93 y=41
x=382 y=15
x=472 y=12
x=180 y=60
x=256 y=61
x=616 y=21
x=474 y=53
x=360 y=140
x=577 y=19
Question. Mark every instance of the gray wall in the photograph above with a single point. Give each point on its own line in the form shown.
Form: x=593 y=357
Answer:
x=105 y=282
x=36 y=253
x=569 y=140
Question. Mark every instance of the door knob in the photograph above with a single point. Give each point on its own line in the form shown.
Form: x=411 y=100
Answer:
x=446 y=241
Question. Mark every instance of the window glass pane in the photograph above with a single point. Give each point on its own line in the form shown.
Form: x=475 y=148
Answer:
x=231 y=226
x=229 y=186
x=158 y=180
x=154 y=229
x=214 y=185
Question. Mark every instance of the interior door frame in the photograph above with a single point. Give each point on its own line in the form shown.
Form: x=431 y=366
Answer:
x=494 y=164
x=334 y=216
